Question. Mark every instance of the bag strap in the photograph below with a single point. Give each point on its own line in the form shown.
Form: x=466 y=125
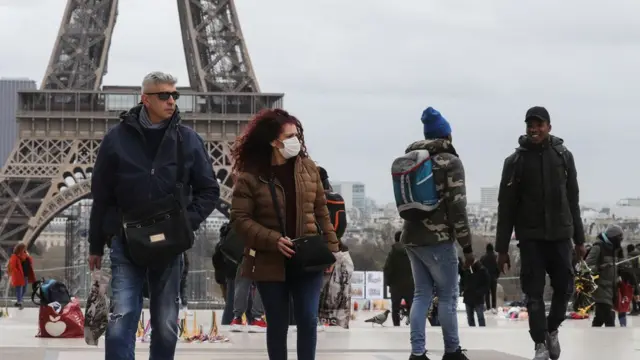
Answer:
x=37 y=292
x=180 y=173
x=276 y=205
x=562 y=152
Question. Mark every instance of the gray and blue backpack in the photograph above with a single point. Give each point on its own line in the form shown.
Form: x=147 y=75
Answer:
x=414 y=186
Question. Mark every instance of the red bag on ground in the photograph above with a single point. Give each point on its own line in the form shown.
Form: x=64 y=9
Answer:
x=623 y=300
x=65 y=323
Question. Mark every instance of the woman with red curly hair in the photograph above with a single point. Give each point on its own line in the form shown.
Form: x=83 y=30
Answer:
x=20 y=269
x=272 y=148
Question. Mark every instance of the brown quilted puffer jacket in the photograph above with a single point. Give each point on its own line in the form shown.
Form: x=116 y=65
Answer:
x=254 y=218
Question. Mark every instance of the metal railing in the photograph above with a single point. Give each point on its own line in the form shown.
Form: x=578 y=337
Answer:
x=202 y=291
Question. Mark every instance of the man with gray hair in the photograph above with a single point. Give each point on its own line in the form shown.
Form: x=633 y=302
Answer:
x=137 y=164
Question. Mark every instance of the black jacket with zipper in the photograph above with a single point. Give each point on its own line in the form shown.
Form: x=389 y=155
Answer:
x=539 y=195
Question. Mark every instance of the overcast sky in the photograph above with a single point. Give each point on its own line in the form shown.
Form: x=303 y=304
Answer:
x=358 y=73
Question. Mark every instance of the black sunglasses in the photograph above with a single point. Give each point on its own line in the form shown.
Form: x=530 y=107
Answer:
x=165 y=95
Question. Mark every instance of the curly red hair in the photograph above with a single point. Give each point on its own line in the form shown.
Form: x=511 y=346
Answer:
x=19 y=248
x=252 y=150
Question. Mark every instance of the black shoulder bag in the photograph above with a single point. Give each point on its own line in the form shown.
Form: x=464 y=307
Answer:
x=312 y=252
x=158 y=231
x=231 y=246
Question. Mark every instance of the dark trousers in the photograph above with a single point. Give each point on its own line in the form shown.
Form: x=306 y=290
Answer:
x=304 y=290
x=183 y=283
x=490 y=297
x=604 y=316
x=227 y=314
x=622 y=318
x=473 y=310
x=635 y=307
x=397 y=295
x=539 y=258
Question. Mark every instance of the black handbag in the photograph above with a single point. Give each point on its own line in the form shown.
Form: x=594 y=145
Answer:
x=231 y=246
x=312 y=252
x=158 y=231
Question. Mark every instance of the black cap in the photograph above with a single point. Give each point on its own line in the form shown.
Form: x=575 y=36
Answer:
x=538 y=112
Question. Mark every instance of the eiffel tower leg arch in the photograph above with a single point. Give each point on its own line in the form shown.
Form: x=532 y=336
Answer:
x=70 y=184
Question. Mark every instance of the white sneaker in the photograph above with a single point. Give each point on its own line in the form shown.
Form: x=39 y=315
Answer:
x=237 y=325
x=257 y=326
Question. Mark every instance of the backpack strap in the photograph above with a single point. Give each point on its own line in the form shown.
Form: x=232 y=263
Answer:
x=561 y=150
x=516 y=175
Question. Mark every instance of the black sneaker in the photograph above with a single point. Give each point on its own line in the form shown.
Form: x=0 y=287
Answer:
x=419 y=357
x=459 y=354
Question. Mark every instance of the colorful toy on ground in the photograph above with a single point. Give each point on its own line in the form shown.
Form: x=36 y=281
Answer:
x=198 y=335
x=585 y=286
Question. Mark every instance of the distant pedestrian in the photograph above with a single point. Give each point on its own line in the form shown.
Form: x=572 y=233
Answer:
x=490 y=262
x=20 y=270
x=398 y=277
x=476 y=285
x=601 y=260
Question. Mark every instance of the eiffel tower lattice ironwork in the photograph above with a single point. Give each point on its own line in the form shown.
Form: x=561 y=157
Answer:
x=61 y=125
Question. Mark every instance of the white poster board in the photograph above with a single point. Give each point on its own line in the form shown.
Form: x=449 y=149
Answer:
x=358 y=285
x=374 y=285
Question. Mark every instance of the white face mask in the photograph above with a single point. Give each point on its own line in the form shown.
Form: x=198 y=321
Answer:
x=291 y=147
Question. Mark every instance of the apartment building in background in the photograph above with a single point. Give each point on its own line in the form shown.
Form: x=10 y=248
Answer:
x=9 y=88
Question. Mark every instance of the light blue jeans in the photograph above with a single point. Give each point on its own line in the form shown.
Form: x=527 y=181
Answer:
x=21 y=291
x=127 y=281
x=434 y=266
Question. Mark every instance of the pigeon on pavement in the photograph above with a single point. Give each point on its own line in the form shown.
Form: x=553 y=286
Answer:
x=379 y=319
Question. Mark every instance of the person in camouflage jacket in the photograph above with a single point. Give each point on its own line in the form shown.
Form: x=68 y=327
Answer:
x=430 y=243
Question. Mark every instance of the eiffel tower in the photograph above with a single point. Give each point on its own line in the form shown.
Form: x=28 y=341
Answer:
x=61 y=124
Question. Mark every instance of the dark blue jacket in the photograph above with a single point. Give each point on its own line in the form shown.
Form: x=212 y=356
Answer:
x=125 y=175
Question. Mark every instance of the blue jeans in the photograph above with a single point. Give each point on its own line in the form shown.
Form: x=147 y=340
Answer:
x=164 y=295
x=622 y=318
x=473 y=310
x=227 y=314
x=435 y=265
x=305 y=291
x=21 y=291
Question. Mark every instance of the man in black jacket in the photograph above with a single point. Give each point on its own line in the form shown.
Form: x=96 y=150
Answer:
x=490 y=262
x=137 y=164
x=398 y=277
x=539 y=197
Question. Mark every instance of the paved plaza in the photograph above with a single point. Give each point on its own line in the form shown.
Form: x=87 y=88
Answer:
x=502 y=339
